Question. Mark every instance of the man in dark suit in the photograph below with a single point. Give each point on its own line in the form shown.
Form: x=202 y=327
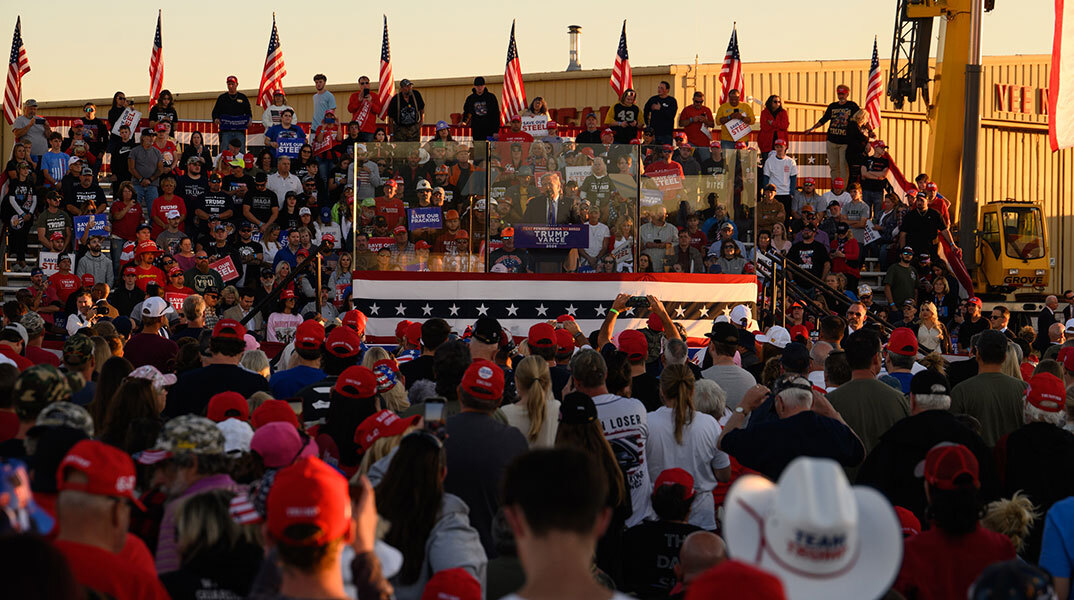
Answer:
x=1068 y=309
x=999 y=320
x=1044 y=321
x=550 y=207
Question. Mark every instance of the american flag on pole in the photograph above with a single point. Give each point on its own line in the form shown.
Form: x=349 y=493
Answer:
x=514 y=93
x=875 y=92
x=621 y=77
x=1061 y=85
x=17 y=66
x=386 y=89
x=272 y=76
x=156 y=65
x=731 y=72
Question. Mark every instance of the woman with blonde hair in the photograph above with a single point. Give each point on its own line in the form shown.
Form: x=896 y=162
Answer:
x=1012 y=363
x=932 y=334
x=859 y=130
x=379 y=434
x=681 y=436
x=389 y=382
x=535 y=414
x=779 y=238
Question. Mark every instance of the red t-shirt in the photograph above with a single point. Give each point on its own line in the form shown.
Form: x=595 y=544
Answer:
x=451 y=243
x=699 y=240
x=160 y=210
x=21 y=362
x=65 y=284
x=506 y=135
x=693 y=130
x=128 y=225
x=40 y=356
x=392 y=210
x=110 y=574
x=938 y=566
x=150 y=274
x=364 y=110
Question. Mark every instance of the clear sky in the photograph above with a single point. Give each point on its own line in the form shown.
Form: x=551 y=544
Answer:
x=90 y=54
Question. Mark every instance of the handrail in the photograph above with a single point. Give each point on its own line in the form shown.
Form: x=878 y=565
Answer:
x=275 y=293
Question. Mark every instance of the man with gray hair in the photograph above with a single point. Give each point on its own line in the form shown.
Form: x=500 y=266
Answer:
x=807 y=426
x=676 y=352
x=817 y=355
x=891 y=467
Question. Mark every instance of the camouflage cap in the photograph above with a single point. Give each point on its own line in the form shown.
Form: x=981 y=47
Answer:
x=36 y=388
x=190 y=433
x=33 y=323
x=65 y=414
x=77 y=350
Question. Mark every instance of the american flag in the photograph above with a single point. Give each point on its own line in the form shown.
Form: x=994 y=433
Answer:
x=386 y=89
x=731 y=72
x=156 y=65
x=621 y=77
x=514 y=93
x=17 y=66
x=876 y=91
x=272 y=76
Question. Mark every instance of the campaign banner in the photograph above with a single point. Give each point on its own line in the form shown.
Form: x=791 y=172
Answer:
x=429 y=217
x=289 y=147
x=226 y=268
x=175 y=299
x=376 y=243
x=667 y=178
x=651 y=197
x=535 y=126
x=558 y=237
x=48 y=262
x=738 y=129
x=341 y=289
x=234 y=122
x=578 y=174
x=128 y=117
x=98 y=225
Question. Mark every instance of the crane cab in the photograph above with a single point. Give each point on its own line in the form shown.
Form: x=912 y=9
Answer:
x=1012 y=248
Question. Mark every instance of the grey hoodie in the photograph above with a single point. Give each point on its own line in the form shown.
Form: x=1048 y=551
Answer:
x=452 y=543
x=98 y=266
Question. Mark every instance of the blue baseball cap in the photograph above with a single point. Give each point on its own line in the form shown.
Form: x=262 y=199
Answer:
x=36 y=271
x=326 y=214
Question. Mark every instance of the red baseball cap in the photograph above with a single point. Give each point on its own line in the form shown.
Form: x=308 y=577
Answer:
x=1047 y=393
x=903 y=342
x=391 y=183
x=654 y=323
x=162 y=127
x=382 y=424
x=1066 y=358
x=421 y=245
x=452 y=584
x=228 y=402
x=109 y=471
x=809 y=181
x=287 y=295
x=909 y=522
x=356 y=320
x=675 y=476
x=232 y=79
x=946 y=462
x=309 y=335
x=839 y=181
x=343 y=342
x=356 y=383
x=401 y=327
x=564 y=341
x=736 y=579
x=484 y=379
x=175 y=270
x=633 y=342
x=56 y=235
x=399 y=229
x=413 y=333
x=799 y=330
x=564 y=318
x=842 y=87
x=272 y=411
x=309 y=492
x=229 y=329
x=780 y=143
x=542 y=335
x=87 y=279
x=607 y=130
x=931 y=186
x=975 y=300
x=130 y=271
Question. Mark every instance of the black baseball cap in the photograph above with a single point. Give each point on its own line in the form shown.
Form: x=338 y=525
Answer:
x=795 y=358
x=267 y=272
x=261 y=177
x=479 y=80
x=841 y=227
x=930 y=382
x=723 y=333
x=577 y=409
x=487 y=330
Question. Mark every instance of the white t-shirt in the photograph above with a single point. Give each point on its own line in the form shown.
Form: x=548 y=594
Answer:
x=282 y=326
x=666 y=233
x=625 y=425
x=697 y=455
x=597 y=234
x=843 y=199
x=518 y=418
x=779 y=172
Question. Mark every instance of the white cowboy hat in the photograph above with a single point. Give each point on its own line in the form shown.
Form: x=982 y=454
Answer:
x=820 y=536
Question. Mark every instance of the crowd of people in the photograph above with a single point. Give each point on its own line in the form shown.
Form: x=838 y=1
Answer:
x=217 y=425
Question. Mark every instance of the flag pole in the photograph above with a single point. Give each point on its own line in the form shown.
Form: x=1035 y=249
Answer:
x=354 y=211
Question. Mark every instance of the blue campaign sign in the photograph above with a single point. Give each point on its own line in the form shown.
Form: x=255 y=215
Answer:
x=425 y=218
x=559 y=237
x=289 y=147
x=98 y=228
x=234 y=122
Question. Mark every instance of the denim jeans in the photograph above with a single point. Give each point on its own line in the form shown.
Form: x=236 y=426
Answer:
x=146 y=194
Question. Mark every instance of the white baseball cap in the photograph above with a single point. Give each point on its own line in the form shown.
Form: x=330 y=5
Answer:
x=155 y=306
x=237 y=436
x=173 y=214
x=816 y=533
x=159 y=380
x=776 y=335
x=1070 y=326
x=423 y=185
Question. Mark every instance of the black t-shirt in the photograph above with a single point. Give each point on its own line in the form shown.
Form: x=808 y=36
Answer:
x=588 y=137
x=164 y=115
x=190 y=395
x=662 y=121
x=82 y=197
x=875 y=164
x=516 y=261
x=646 y=387
x=247 y=251
x=810 y=257
x=261 y=203
x=214 y=203
x=484 y=114
x=191 y=191
x=239 y=185
x=597 y=190
x=626 y=114
x=120 y=154
x=417 y=369
x=922 y=229
x=316 y=398
x=838 y=118
x=650 y=553
x=406 y=111
x=771 y=446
